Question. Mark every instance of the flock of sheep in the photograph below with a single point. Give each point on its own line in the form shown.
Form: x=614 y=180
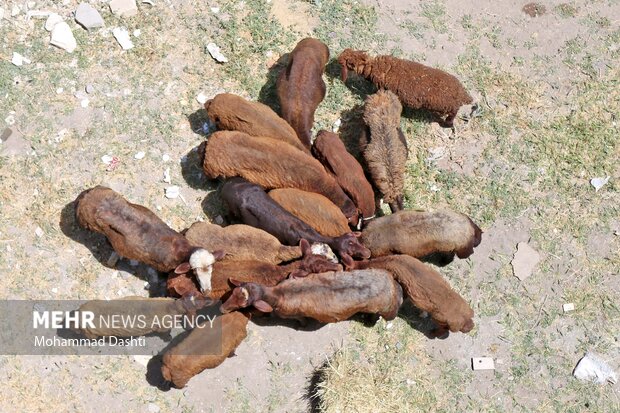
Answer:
x=296 y=201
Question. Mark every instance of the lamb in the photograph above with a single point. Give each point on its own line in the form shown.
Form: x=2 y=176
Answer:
x=150 y=312
x=206 y=347
x=137 y=233
x=422 y=233
x=250 y=204
x=253 y=271
x=418 y=86
x=329 y=149
x=314 y=209
x=272 y=164
x=427 y=290
x=385 y=146
x=234 y=113
x=301 y=88
x=327 y=297
x=241 y=242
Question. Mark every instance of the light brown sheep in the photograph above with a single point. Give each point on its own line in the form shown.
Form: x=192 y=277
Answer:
x=417 y=86
x=271 y=164
x=234 y=113
x=301 y=88
x=385 y=147
x=314 y=209
x=422 y=233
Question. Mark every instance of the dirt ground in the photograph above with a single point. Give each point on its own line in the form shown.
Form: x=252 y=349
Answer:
x=548 y=90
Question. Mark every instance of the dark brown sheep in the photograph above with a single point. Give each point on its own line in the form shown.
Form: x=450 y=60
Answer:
x=250 y=204
x=241 y=242
x=234 y=113
x=417 y=86
x=422 y=233
x=252 y=271
x=427 y=289
x=206 y=347
x=327 y=297
x=331 y=152
x=314 y=209
x=272 y=164
x=301 y=88
x=385 y=147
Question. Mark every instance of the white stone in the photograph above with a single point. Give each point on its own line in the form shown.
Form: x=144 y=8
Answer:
x=122 y=37
x=215 y=53
x=336 y=125
x=166 y=157
x=599 y=182
x=593 y=368
x=84 y=102
x=482 y=363
x=62 y=37
x=51 y=22
x=18 y=59
x=139 y=155
x=107 y=159
x=172 y=192
x=39 y=232
x=124 y=8
x=55 y=290
x=167 y=178
x=215 y=10
x=201 y=98
x=60 y=90
x=137 y=33
x=88 y=17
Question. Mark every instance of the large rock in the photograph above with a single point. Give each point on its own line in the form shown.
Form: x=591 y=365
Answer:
x=62 y=37
x=88 y=17
x=124 y=8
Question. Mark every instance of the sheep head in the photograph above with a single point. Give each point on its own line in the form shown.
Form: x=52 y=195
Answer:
x=350 y=244
x=245 y=295
x=354 y=60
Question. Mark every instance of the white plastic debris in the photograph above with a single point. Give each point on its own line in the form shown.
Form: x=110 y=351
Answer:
x=215 y=53
x=107 y=159
x=124 y=8
x=201 y=98
x=139 y=155
x=19 y=60
x=592 y=368
x=62 y=37
x=336 y=125
x=524 y=261
x=172 y=192
x=167 y=178
x=122 y=37
x=599 y=182
x=39 y=232
x=165 y=157
x=568 y=307
x=482 y=363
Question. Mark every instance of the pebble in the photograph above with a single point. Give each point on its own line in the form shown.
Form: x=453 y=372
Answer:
x=201 y=98
x=172 y=192
x=122 y=37
x=137 y=33
x=107 y=159
x=219 y=220
x=39 y=232
x=215 y=53
x=59 y=90
x=84 y=102
x=31 y=4
x=89 y=88
x=55 y=290
x=62 y=37
x=124 y=8
x=336 y=125
x=88 y=17
x=166 y=157
x=599 y=182
x=19 y=60
x=139 y=155
x=52 y=20
x=167 y=178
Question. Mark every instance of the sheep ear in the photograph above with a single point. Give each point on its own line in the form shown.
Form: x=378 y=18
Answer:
x=297 y=274
x=306 y=249
x=182 y=268
x=218 y=255
x=344 y=73
x=234 y=282
x=347 y=260
x=263 y=306
x=357 y=234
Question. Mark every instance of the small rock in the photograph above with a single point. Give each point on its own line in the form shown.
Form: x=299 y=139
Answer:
x=153 y=408
x=137 y=33
x=88 y=17
x=592 y=368
x=122 y=37
x=19 y=60
x=167 y=178
x=6 y=133
x=336 y=125
x=215 y=53
x=599 y=182
x=139 y=155
x=89 y=89
x=55 y=290
x=436 y=153
x=124 y=8
x=165 y=157
x=568 y=307
x=172 y=192
x=59 y=90
x=62 y=37
x=84 y=102
x=39 y=232
x=524 y=261
x=201 y=98
x=107 y=159
x=215 y=10
x=219 y=220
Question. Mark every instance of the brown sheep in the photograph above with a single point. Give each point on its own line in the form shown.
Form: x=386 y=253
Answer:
x=272 y=164
x=418 y=86
x=385 y=150
x=206 y=347
x=314 y=209
x=253 y=271
x=137 y=233
x=422 y=233
x=427 y=289
x=329 y=149
x=301 y=88
x=234 y=113
x=327 y=297
x=241 y=242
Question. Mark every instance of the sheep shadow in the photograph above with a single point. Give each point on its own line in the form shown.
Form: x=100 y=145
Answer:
x=268 y=93
x=414 y=319
x=102 y=251
x=192 y=172
x=311 y=393
x=213 y=206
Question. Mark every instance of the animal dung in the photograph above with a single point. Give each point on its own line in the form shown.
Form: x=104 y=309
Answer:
x=482 y=363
